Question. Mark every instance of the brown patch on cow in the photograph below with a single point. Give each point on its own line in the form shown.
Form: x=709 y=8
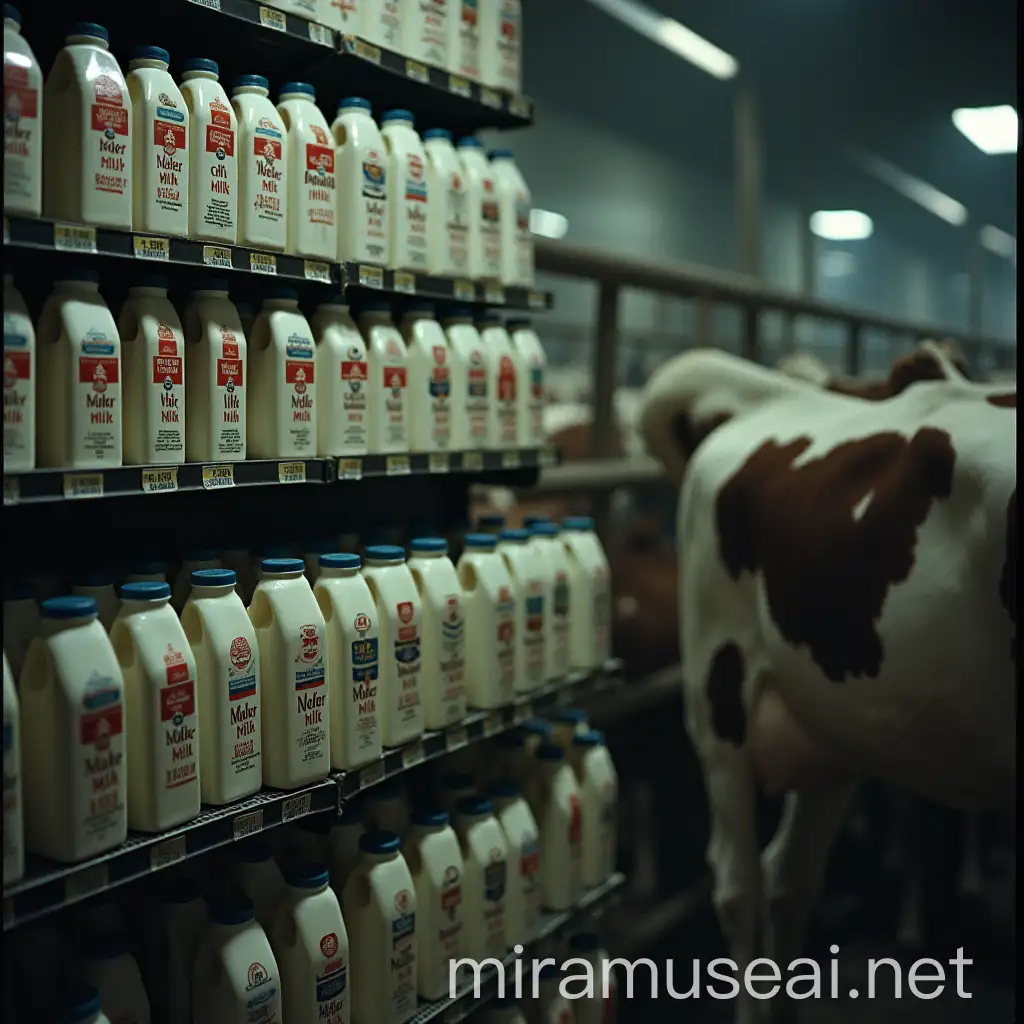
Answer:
x=725 y=694
x=826 y=572
x=907 y=370
x=1007 y=401
x=689 y=435
x=1008 y=580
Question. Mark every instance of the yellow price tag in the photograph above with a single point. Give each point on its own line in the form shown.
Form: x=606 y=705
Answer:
x=74 y=238
x=262 y=263
x=247 y=824
x=417 y=72
x=439 y=462
x=12 y=490
x=83 y=485
x=489 y=98
x=215 y=477
x=398 y=465
x=291 y=472
x=405 y=283
x=494 y=295
x=519 y=106
x=537 y=300
x=315 y=271
x=217 y=256
x=363 y=49
x=320 y=34
x=464 y=291
x=273 y=19
x=510 y=460
x=459 y=86
x=371 y=277
x=149 y=247
x=155 y=481
x=472 y=462
x=413 y=755
x=350 y=469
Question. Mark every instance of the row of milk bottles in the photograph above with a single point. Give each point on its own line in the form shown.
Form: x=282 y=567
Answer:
x=214 y=705
x=84 y=391
x=140 y=153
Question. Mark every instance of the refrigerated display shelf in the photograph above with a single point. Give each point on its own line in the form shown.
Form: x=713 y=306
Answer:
x=443 y=463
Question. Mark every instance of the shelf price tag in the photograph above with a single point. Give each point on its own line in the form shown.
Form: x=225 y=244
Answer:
x=350 y=469
x=405 y=283
x=291 y=472
x=170 y=851
x=154 y=481
x=537 y=300
x=87 y=881
x=413 y=755
x=262 y=263
x=493 y=724
x=217 y=256
x=74 y=238
x=273 y=19
x=417 y=72
x=490 y=98
x=398 y=465
x=296 y=806
x=215 y=477
x=371 y=774
x=464 y=291
x=363 y=49
x=439 y=462
x=494 y=295
x=510 y=460
x=456 y=738
x=320 y=34
x=371 y=277
x=459 y=86
x=473 y=462
x=12 y=490
x=247 y=824
x=315 y=271
x=214 y=5
x=83 y=485
x=519 y=106
x=150 y=247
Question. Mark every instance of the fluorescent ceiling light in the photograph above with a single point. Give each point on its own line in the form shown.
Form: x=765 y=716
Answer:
x=669 y=33
x=548 y=224
x=841 y=225
x=992 y=129
x=999 y=242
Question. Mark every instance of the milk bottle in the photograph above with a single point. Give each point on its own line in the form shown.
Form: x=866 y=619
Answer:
x=14 y=842
x=502 y=1010
x=83 y=1007
x=79 y=359
x=262 y=166
x=362 y=184
x=387 y=364
x=160 y=145
x=435 y=862
x=549 y=553
x=468 y=376
x=491 y=611
x=342 y=370
x=160 y=706
x=295 y=709
x=600 y=1008
x=153 y=354
x=407 y=169
x=380 y=908
x=343 y=845
x=213 y=158
x=485 y=882
x=454 y=787
x=516 y=240
x=554 y=798
x=485 y=212
x=492 y=523
x=172 y=944
x=502 y=380
x=235 y=980
x=537 y=732
x=429 y=396
x=193 y=560
x=388 y=810
x=215 y=354
x=282 y=383
x=260 y=879
x=311 y=949
x=464 y=38
x=87 y=140
x=353 y=660
x=147 y=572
x=501 y=45
x=599 y=793
x=424 y=33
x=21 y=624
x=531 y=364
x=567 y=724
x=443 y=679
x=113 y=971
x=528 y=586
x=340 y=15
x=448 y=242
x=522 y=908
x=380 y=23
x=23 y=144
x=100 y=587
x=589 y=594
x=223 y=644
x=551 y=1007
x=313 y=199
x=19 y=380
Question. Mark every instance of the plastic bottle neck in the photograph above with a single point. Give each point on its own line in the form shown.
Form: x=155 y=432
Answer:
x=208 y=75
x=156 y=65
x=132 y=606
x=100 y=44
x=337 y=574
x=145 y=291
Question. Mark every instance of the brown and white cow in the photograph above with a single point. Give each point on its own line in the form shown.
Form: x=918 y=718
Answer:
x=847 y=609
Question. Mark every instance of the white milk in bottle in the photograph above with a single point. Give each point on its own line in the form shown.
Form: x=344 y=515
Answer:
x=21 y=624
x=313 y=199
x=153 y=359
x=443 y=679
x=522 y=907
x=425 y=35
x=599 y=1008
x=215 y=356
x=549 y=551
x=531 y=365
x=410 y=210
x=516 y=239
x=311 y=949
x=501 y=45
x=160 y=145
x=361 y=163
x=429 y=395
x=87 y=134
x=342 y=372
x=485 y=856
x=435 y=862
x=108 y=965
x=78 y=354
x=380 y=23
x=353 y=660
x=23 y=141
x=82 y=1006
x=589 y=594
x=99 y=585
x=224 y=646
x=343 y=845
x=387 y=364
x=282 y=381
x=19 y=381
x=379 y=906
x=464 y=39
x=399 y=617
x=235 y=979
x=213 y=156
x=160 y=707
x=599 y=795
x=262 y=166
x=260 y=879
x=448 y=241
x=490 y=610
x=528 y=584
x=502 y=382
x=554 y=798
x=295 y=709
x=72 y=736
x=171 y=945
x=14 y=840
x=484 y=212
x=469 y=395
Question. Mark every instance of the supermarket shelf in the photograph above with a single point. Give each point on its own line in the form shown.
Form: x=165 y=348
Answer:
x=47 y=887
x=443 y=463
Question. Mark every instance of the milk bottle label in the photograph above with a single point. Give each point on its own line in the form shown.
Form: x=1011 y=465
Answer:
x=490 y=229
x=169 y=151
x=466 y=59
x=560 y=610
x=22 y=137
x=373 y=239
x=450 y=927
x=476 y=397
x=533 y=622
x=299 y=382
x=529 y=869
x=394 y=380
x=524 y=241
x=331 y=983
x=494 y=900
x=457 y=221
x=602 y=610
x=403 y=957
x=97 y=412
x=365 y=672
x=18 y=391
x=218 y=169
x=536 y=399
x=168 y=377
x=407 y=657
x=261 y=996
x=506 y=647
x=310 y=694
x=386 y=24
x=433 y=36
x=341 y=14
x=575 y=838
x=176 y=733
x=242 y=706
x=453 y=651
x=440 y=388
x=319 y=181
x=412 y=239
x=229 y=438
x=109 y=124
x=507 y=418
x=509 y=43
x=355 y=378
x=267 y=171
x=99 y=787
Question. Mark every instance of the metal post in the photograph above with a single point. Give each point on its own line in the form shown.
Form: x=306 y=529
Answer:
x=748 y=179
x=853 y=349
x=750 y=345
x=603 y=434
x=704 y=327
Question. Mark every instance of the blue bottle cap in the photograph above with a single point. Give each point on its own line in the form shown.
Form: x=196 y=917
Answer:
x=234 y=909
x=428 y=545
x=201 y=64
x=145 y=591
x=82 y=1002
x=299 y=89
x=306 y=875
x=430 y=817
x=397 y=115
x=340 y=561
x=459 y=313
x=515 y=536
x=281 y=566
x=592 y=738
x=545 y=529
x=88 y=28
x=578 y=523
x=150 y=53
x=213 y=578
x=437 y=133
x=355 y=103
x=70 y=607
x=470 y=142
x=379 y=842
x=480 y=541
x=385 y=553
x=531 y=521
x=474 y=806
x=536 y=727
x=250 y=82
x=500 y=154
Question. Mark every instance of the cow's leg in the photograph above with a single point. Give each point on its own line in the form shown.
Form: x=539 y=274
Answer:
x=793 y=870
